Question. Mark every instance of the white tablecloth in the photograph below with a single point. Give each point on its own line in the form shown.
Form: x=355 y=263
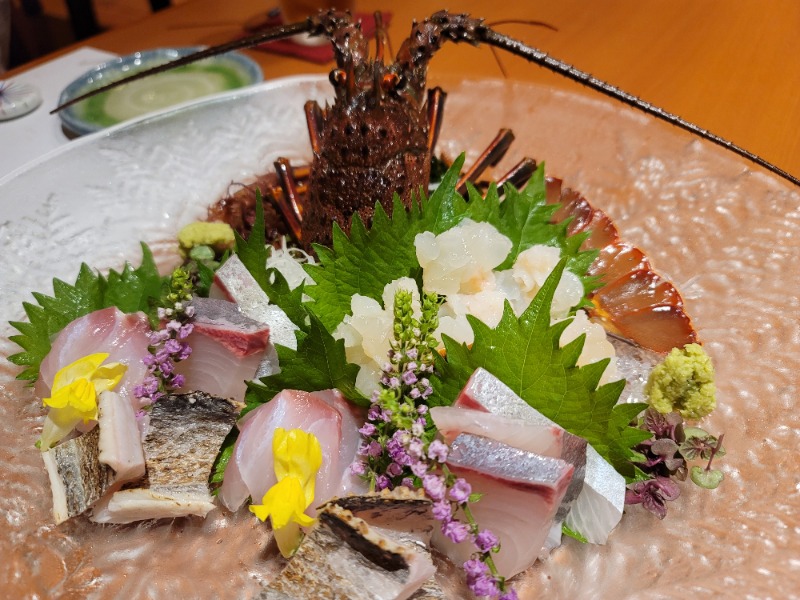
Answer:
x=29 y=137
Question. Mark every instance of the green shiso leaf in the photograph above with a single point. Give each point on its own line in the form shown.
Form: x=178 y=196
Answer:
x=524 y=354
x=319 y=363
x=253 y=250
x=130 y=291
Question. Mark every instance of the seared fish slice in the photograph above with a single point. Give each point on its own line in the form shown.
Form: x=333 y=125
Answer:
x=343 y=558
x=403 y=515
x=182 y=441
x=77 y=478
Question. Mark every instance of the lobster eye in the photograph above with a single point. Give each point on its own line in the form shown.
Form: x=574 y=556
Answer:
x=391 y=82
x=337 y=77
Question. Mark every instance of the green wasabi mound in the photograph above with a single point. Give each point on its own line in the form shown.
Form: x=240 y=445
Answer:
x=684 y=382
x=217 y=236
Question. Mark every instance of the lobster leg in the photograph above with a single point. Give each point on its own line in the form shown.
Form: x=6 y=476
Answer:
x=288 y=204
x=490 y=157
x=314 y=122
x=519 y=174
x=435 y=107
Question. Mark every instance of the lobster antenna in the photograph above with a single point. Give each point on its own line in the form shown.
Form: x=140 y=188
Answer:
x=493 y=38
x=246 y=42
x=514 y=22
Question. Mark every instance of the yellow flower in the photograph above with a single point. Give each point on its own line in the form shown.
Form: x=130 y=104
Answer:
x=297 y=458
x=74 y=395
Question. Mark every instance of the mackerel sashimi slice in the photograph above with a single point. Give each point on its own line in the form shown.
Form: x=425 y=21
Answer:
x=521 y=495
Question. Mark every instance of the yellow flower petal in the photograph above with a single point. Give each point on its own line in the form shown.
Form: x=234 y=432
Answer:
x=74 y=393
x=297 y=454
x=283 y=503
x=107 y=377
x=83 y=368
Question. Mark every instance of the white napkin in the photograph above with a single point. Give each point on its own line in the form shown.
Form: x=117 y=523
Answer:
x=26 y=138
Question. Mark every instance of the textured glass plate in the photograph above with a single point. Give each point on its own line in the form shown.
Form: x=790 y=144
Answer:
x=727 y=234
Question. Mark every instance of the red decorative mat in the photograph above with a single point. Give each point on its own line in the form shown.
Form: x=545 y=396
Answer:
x=320 y=54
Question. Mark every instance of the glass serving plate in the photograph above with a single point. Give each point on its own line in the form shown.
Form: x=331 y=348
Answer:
x=725 y=232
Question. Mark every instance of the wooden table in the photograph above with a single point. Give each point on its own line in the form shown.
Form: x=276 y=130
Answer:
x=731 y=66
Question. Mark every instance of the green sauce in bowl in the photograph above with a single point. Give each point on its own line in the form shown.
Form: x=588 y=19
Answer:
x=209 y=76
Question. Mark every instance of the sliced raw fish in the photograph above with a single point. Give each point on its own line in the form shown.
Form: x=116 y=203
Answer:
x=221 y=320
x=521 y=495
x=250 y=471
x=120 y=442
x=124 y=337
x=77 y=478
x=485 y=391
x=343 y=557
x=540 y=439
x=183 y=438
x=226 y=349
x=232 y=281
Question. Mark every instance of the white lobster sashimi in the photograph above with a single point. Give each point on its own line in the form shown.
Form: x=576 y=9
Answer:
x=451 y=421
x=124 y=337
x=593 y=508
x=521 y=495
x=227 y=348
x=250 y=471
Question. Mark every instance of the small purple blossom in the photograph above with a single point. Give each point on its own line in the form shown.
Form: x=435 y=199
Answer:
x=484 y=586
x=382 y=482
x=185 y=352
x=422 y=409
x=178 y=381
x=510 y=594
x=475 y=568
x=434 y=486
x=412 y=353
x=438 y=451
x=409 y=378
x=486 y=541
x=374 y=413
x=173 y=325
x=367 y=430
x=394 y=383
x=358 y=468
x=173 y=346
x=442 y=511
x=394 y=469
x=420 y=469
x=407 y=482
x=455 y=530
x=415 y=393
x=374 y=449
x=460 y=491
x=416 y=448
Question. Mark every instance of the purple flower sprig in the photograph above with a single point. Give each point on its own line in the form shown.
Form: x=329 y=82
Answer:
x=399 y=446
x=167 y=345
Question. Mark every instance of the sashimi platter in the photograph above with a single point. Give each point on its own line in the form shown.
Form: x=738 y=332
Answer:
x=560 y=388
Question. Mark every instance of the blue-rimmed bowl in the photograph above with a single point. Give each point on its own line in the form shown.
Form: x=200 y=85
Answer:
x=205 y=77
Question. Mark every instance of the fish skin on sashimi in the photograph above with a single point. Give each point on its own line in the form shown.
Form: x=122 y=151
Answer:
x=451 y=421
x=124 y=337
x=521 y=495
x=250 y=471
x=600 y=483
x=233 y=282
x=226 y=349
